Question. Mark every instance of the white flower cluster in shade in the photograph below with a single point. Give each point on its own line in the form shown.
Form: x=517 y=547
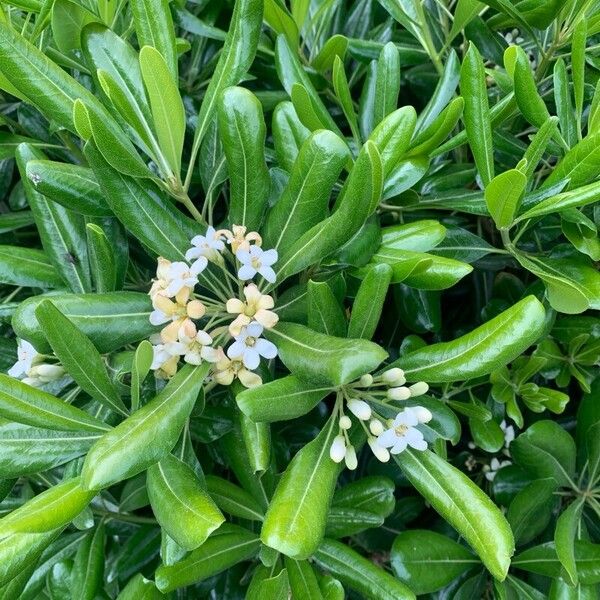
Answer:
x=31 y=367
x=198 y=326
x=384 y=436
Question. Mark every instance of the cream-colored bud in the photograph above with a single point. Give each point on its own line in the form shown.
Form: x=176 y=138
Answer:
x=376 y=427
x=381 y=454
x=366 y=380
x=360 y=409
x=350 y=458
x=398 y=393
x=345 y=422
x=337 y=452
x=394 y=376
x=423 y=414
x=418 y=389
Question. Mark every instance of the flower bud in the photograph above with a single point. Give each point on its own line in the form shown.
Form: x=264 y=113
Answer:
x=366 y=380
x=360 y=409
x=350 y=458
x=423 y=414
x=418 y=389
x=381 y=454
x=398 y=393
x=394 y=376
x=338 y=449
x=46 y=372
x=345 y=422
x=376 y=427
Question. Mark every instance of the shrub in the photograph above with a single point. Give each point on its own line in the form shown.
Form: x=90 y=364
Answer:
x=299 y=299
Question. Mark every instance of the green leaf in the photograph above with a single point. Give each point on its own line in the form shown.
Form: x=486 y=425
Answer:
x=68 y=19
x=73 y=186
x=295 y=521
x=393 y=135
x=142 y=361
x=427 y=561
x=236 y=57
x=102 y=259
x=140 y=588
x=418 y=236
x=531 y=509
x=561 y=590
x=564 y=104
x=303 y=581
x=486 y=348
x=503 y=195
x=325 y=313
x=281 y=400
x=567 y=527
x=257 y=440
x=387 y=83
x=230 y=545
x=477 y=113
x=233 y=499
x=109 y=320
x=31 y=406
x=305 y=199
x=359 y=573
x=147 y=436
x=334 y=48
x=62 y=232
x=52 y=509
x=344 y=96
x=27 y=267
x=458 y=500
x=280 y=20
x=154 y=27
x=166 y=105
x=288 y=135
x=181 y=505
x=546 y=450
x=79 y=356
x=242 y=130
x=321 y=358
x=27 y=450
x=528 y=98
x=368 y=303
x=578 y=59
x=88 y=568
x=373 y=493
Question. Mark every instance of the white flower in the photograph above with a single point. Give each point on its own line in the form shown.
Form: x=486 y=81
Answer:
x=181 y=275
x=27 y=356
x=509 y=433
x=196 y=348
x=227 y=370
x=382 y=454
x=359 y=408
x=206 y=246
x=249 y=346
x=180 y=315
x=403 y=433
x=256 y=260
x=239 y=239
x=256 y=307
x=41 y=374
x=165 y=359
x=493 y=468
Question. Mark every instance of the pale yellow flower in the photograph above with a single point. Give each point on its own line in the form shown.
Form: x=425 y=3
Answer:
x=226 y=370
x=255 y=308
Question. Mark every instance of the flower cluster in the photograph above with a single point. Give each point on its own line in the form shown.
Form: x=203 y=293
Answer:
x=384 y=436
x=31 y=367
x=204 y=303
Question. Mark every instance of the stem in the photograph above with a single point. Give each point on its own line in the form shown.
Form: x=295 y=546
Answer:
x=125 y=518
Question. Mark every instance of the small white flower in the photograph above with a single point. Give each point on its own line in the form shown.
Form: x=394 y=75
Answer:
x=207 y=246
x=27 y=356
x=41 y=374
x=181 y=275
x=227 y=370
x=196 y=348
x=493 y=468
x=256 y=260
x=255 y=308
x=394 y=377
x=359 y=408
x=403 y=433
x=165 y=358
x=239 y=239
x=381 y=454
x=509 y=433
x=249 y=346
x=337 y=451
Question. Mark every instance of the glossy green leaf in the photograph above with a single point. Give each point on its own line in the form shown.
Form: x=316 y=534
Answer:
x=142 y=361
x=463 y=505
x=302 y=579
x=140 y=588
x=418 y=236
x=503 y=195
x=427 y=561
x=221 y=551
x=102 y=260
x=321 y=358
x=288 y=134
x=387 y=83
x=281 y=21
x=109 y=320
x=359 y=573
x=181 y=505
x=27 y=267
x=567 y=527
x=242 y=130
x=477 y=113
x=68 y=19
x=145 y=437
x=325 y=313
x=79 y=356
x=295 y=521
x=479 y=352
x=88 y=566
x=233 y=499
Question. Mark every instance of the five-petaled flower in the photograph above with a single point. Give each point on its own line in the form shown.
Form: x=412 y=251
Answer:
x=175 y=277
x=226 y=370
x=256 y=307
x=249 y=346
x=256 y=260
x=239 y=239
x=403 y=431
x=166 y=310
x=195 y=346
x=27 y=356
x=207 y=246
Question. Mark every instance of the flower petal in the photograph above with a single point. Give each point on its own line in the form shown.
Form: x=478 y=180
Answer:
x=266 y=348
x=269 y=257
x=246 y=272
x=251 y=358
x=268 y=273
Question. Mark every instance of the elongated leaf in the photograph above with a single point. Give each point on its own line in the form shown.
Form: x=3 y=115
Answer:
x=481 y=351
x=52 y=509
x=281 y=400
x=321 y=358
x=27 y=267
x=387 y=84
x=242 y=129
x=503 y=195
x=325 y=313
x=102 y=259
x=140 y=588
x=303 y=581
x=109 y=320
x=359 y=573
x=463 y=505
x=181 y=505
x=295 y=521
x=88 y=567
x=79 y=356
x=565 y=536
x=233 y=499
x=221 y=551
x=477 y=113
x=145 y=437
x=31 y=406
x=288 y=135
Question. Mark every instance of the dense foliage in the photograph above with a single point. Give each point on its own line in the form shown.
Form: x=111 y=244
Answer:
x=298 y=299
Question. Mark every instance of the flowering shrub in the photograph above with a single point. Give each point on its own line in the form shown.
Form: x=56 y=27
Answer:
x=299 y=300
